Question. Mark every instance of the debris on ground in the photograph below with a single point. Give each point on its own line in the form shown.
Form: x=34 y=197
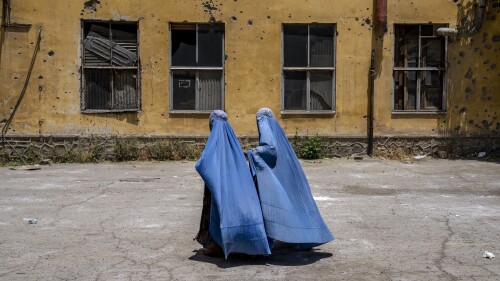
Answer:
x=31 y=220
x=44 y=162
x=26 y=167
x=481 y=154
x=488 y=255
x=419 y=157
x=406 y=161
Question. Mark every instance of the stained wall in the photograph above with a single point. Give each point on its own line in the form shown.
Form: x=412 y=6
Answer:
x=253 y=48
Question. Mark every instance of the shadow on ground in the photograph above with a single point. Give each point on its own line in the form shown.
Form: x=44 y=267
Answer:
x=282 y=257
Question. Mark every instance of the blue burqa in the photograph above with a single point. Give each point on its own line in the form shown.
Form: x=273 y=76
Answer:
x=236 y=222
x=290 y=213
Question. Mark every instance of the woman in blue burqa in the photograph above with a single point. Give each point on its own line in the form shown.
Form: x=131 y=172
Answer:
x=231 y=217
x=290 y=213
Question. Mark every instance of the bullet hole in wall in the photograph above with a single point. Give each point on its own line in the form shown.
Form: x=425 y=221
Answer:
x=486 y=125
x=469 y=73
x=91 y=5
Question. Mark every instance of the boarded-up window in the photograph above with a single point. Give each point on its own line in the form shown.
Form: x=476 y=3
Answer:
x=110 y=79
x=197 y=67
x=309 y=67
x=419 y=68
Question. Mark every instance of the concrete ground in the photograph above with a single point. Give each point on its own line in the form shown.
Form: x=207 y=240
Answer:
x=427 y=220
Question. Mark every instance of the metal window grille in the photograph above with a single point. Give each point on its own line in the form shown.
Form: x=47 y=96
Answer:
x=419 y=71
x=308 y=68
x=110 y=72
x=196 y=67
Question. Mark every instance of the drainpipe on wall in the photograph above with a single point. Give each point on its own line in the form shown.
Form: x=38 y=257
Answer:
x=378 y=31
x=476 y=25
x=372 y=74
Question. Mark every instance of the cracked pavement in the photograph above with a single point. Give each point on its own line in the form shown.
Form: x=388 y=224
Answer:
x=428 y=220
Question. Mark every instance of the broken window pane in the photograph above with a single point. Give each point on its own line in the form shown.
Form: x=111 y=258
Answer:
x=95 y=30
x=432 y=88
x=125 y=36
x=184 y=87
x=321 y=42
x=321 y=90
x=399 y=90
x=295 y=45
x=295 y=90
x=405 y=88
x=432 y=52
x=184 y=46
x=408 y=51
x=210 y=89
x=410 y=90
x=102 y=45
x=210 y=45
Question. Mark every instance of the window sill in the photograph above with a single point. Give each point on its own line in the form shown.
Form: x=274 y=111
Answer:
x=307 y=112
x=441 y=112
x=191 y=111
x=104 y=111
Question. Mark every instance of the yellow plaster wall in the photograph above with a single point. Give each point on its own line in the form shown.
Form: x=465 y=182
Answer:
x=252 y=69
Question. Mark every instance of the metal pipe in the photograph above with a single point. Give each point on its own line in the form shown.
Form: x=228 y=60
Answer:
x=23 y=92
x=476 y=25
x=381 y=23
x=371 y=94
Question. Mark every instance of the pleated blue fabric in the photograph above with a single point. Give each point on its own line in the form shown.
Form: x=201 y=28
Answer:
x=290 y=213
x=236 y=222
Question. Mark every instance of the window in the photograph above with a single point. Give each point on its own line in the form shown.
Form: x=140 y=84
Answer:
x=110 y=72
x=197 y=67
x=419 y=68
x=308 y=68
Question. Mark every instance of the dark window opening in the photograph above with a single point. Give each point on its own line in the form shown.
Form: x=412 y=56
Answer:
x=197 y=67
x=309 y=67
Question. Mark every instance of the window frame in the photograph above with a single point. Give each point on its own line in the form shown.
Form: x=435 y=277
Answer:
x=308 y=69
x=419 y=108
x=195 y=69
x=83 y=90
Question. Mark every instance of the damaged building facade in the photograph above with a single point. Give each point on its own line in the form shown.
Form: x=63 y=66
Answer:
x=368 y=76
